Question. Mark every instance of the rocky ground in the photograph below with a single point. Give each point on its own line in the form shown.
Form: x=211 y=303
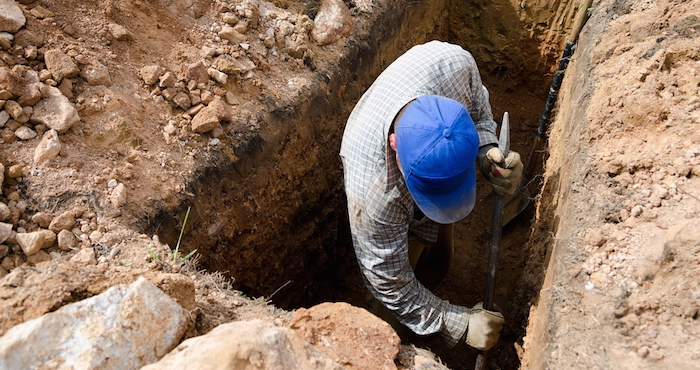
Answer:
x=111 y=108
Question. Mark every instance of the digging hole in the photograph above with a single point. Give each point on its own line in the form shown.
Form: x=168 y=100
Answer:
x=272 y=216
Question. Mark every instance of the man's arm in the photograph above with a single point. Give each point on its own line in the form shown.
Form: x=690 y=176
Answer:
x=382 y=253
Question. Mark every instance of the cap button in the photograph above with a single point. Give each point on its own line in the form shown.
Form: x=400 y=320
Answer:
x=447 y=132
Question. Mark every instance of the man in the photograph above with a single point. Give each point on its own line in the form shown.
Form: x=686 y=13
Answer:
x=409 y=153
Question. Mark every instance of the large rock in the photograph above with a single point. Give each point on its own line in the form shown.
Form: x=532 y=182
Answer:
x=55 y=111
x=35 y=241
x=332 y=22
x=349 y=335
x=11 y=16
x=122 y=328
x=232 y=66
x=60 y=65
x=211 y=116
x=246 y=345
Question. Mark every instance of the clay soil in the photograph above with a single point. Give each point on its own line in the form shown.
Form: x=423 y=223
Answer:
x=601 y=271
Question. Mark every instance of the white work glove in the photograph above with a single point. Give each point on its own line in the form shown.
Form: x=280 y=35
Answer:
x=484 y=327
x=504 y=174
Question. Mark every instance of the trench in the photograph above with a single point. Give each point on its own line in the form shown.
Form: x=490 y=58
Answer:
x=273 y=217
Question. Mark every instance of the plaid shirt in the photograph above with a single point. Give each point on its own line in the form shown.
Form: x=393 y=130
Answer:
x=381 y=210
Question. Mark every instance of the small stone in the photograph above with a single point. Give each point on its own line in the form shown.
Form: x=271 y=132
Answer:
x=97 y=74
x=150 y=74
x=15 y=171
x=229 y=33
x=55 y=111
x=169 y=93
x=64 y=221
x=35 y=241
x=60 y=65
x=95 y=236
x=168 y=79
x=5 y=213
x=42 y=219
x=30 y=95
x=48 y=148
x=230 y=18
x=38 y=257
x=118 y=196
x=636 y=211
x=182 y=100
x=86 y=256
x=120 y=33
x=14 y=109
x=197 y=72
x=66 y=240
x=5 y=232
x=643 y=351
x=218 y=76
x=25 y=133
x=41 y=12
x=595 y=237
x=112 y=183
x=211 y=116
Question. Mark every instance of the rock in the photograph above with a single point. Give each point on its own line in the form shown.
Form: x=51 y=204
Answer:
x=349 y=335
x=332 y=22
x=35 y=241
x=26 y=38
x=4 y=212
x=10 y=83
x=211 y=116
x=128 y=328
x=233 y=36
x=64 y=221
x=217 y=75
x=245 y=345
x=168 y=79
x=118 y=196
x=55 y=111
x=120 y=33
x=182 y=100
x=85 y=256
x=5 y=232
x=15 y=171
x=48 y=148
x=25 y=133
x=60 y=65
x=97 y=74
x=230 y=18
x=38 y=257
x=30 y=95
x=41 y=12
x=232 y=66
x=66 y=240
x=169 y=93
x=197 y=72
x=42 y=219
x=412 y=358
x=150 y=74
x=11 y=16
x=4 y=117
x=180 y=287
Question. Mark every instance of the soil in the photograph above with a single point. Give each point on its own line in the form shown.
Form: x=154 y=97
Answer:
x=611 y=242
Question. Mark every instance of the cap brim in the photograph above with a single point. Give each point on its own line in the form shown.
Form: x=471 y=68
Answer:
x=449 y=207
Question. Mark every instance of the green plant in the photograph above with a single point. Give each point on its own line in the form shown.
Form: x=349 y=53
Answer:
x=152 y=254
x=176 y=255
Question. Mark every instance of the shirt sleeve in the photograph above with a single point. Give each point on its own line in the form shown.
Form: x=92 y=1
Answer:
x=382 y=253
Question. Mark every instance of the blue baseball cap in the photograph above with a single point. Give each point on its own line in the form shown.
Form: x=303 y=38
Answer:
x=437 y=145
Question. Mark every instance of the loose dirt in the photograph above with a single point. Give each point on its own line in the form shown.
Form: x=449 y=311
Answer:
x=613 y=248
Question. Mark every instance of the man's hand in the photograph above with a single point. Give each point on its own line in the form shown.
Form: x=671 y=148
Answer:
x=484 y=327
x=504 y=173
